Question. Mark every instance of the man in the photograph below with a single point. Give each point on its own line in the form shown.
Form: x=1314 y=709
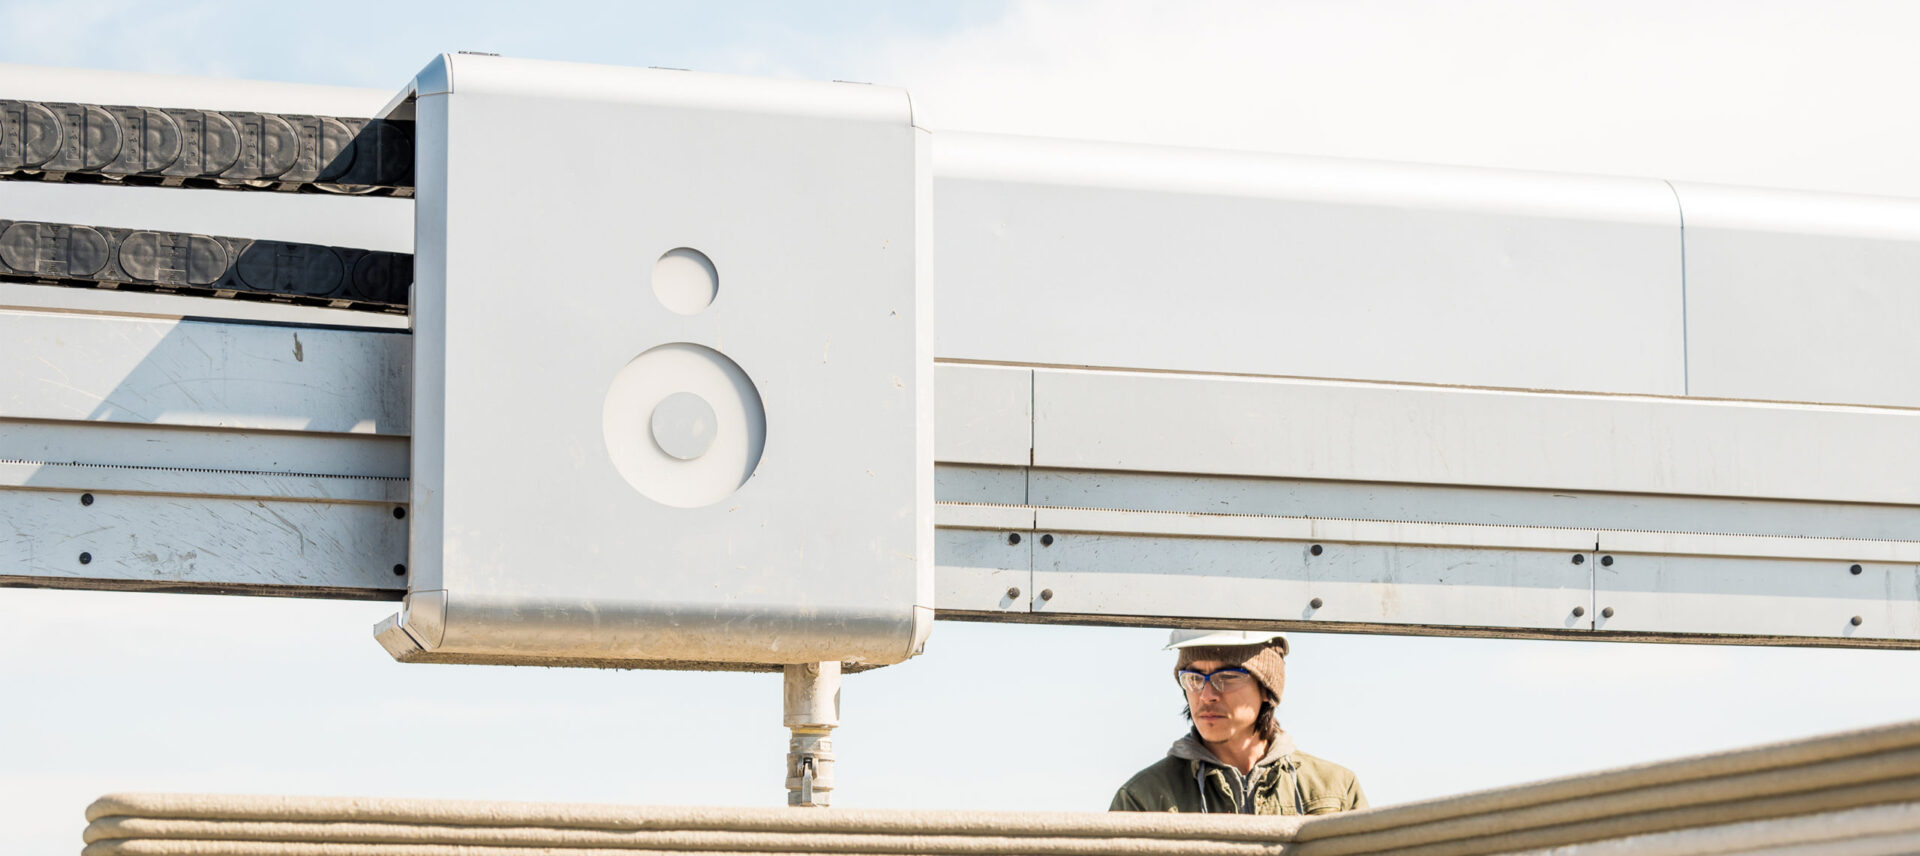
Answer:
x=1236 y=760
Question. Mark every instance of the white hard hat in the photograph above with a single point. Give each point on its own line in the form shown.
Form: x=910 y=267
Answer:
x=1197 y=638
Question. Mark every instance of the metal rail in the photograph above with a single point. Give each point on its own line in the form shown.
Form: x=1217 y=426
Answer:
x=272 y=458
x=171 y=147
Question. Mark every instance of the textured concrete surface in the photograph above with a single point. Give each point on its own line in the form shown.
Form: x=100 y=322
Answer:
x=1855 y=792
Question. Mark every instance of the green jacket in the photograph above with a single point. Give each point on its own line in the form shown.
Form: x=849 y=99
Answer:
x=1286 y=781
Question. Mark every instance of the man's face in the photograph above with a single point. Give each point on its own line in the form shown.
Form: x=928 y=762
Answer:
x=1221 y=717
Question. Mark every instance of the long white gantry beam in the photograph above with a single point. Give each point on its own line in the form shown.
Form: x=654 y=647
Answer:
x=1173 y=387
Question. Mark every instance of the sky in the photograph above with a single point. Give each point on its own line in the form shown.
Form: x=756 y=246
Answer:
x=103 y=692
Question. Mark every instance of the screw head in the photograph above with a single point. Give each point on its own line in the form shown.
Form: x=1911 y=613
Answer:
x=1046 y=540
x=87 y=499
x=1855 y=570
x=1046 y=594
x=1316 y=603
x=1607 y=613
x=1013 y=538
x=1013 y=593
x=1579 y=558
x=399 y=513
x=1857 y=621
x=86 y=558
x=1316 y=549
x=1579 y=611
x=1607 y=561
x=399 y=570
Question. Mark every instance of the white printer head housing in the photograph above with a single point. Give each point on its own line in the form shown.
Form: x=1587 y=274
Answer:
x=672 y=370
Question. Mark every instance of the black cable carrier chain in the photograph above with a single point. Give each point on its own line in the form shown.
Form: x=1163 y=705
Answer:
x=62 y=142
x=148 y=260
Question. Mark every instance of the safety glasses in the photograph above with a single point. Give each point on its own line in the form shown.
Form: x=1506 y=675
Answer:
x=1223 y=680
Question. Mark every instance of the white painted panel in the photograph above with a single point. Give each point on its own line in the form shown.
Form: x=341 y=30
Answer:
x=1095 y=254
x=1311 y=529
x=1174 y=492
x=135 y=540
x=391 y=492
x=1756 y=597
x=96 y=443
x=108 y=301
x=1243 y=579
x=991 y=485
x=1838 y=550
x=1430 y=435
x=981 y=571
x=983 y=414
x=1405 y=534
x=1802 y=296
x=102 y=368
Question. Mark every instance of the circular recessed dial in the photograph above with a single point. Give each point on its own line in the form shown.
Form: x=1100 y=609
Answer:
x=684 y=281
x=684 y=425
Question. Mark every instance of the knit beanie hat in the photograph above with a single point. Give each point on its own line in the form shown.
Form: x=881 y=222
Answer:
x=1267 y=662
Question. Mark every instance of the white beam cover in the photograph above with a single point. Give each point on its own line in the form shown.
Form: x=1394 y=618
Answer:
x=1500 y=403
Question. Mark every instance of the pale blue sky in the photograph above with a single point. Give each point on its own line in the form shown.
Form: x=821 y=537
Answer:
x=106 y=692
x=375 y=44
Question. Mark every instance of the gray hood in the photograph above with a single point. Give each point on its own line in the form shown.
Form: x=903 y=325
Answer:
x=1191 y=748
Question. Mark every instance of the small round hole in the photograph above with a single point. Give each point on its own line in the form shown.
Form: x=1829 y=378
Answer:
x=685 y=281
x=399 y=513
x=399 y=570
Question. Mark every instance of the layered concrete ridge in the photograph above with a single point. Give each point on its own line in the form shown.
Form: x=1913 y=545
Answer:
x=1856 y=792
x=1721 y=797
x=177 y=825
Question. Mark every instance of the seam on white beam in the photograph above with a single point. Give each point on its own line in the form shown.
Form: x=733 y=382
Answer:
x=1179 y=524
